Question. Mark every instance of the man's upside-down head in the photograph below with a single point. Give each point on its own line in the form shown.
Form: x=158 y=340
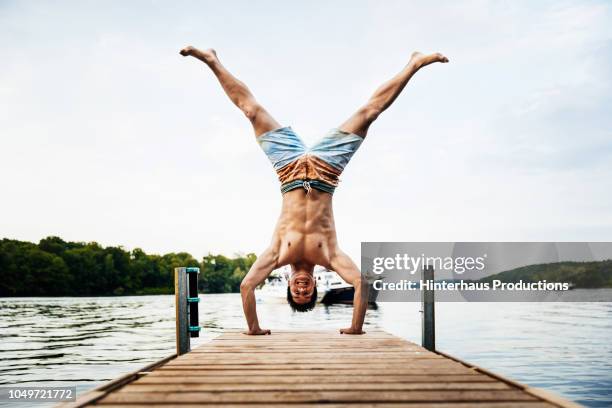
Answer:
x=302 y=290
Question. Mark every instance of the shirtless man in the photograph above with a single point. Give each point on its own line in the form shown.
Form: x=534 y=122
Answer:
x=305 y=234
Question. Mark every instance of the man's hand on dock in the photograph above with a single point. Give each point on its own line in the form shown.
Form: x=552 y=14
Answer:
x=351 y=330
x=257 y=332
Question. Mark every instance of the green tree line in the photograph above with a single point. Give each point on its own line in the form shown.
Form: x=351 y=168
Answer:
x=54 y=267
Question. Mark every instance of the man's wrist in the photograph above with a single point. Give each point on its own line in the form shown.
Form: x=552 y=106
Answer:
x=352 y=330
x=254 y=327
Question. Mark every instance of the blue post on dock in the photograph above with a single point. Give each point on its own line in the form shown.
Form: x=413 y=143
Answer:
x=186 y=303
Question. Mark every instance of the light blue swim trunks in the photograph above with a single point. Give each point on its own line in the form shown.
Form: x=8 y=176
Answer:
x=318 y=166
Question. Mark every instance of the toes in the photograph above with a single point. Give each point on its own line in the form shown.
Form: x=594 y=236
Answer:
x=186 y=51
x=441 y=57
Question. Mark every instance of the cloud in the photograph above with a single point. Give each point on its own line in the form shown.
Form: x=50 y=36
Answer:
x=107 y=134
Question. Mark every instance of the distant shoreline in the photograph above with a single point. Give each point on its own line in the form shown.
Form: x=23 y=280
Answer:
x=54 y=267
x=228 y=293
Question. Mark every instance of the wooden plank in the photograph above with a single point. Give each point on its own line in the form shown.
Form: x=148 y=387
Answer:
x=279 y=348
x=387 y=351
x=321 y=385
x=308 y=335
x=310 y=344
x=364 y=360
x=320 y=333
x=321 y=348
x=165 y=377
x=262 y=397
x=316 y=354
x=316 y=366
x=243 y=370
x=245 y=353
x=380 y=366
x=305 y=338
x=243 y=342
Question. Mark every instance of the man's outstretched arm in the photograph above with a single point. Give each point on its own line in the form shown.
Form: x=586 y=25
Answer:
x=260 y=270
x=346 y=268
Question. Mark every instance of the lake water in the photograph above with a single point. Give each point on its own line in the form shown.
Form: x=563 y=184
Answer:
x=562 y=347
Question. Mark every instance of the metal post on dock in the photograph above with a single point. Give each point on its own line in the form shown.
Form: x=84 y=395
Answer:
x=186 y=303
x=428 y=317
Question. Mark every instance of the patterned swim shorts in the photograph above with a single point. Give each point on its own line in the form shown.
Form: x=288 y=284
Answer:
x=316 y=167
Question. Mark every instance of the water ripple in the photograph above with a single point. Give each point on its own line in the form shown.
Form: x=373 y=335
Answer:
x=562 y=347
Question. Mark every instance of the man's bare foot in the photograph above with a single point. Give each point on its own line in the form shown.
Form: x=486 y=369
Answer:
x=419 y=60
x=206 y=56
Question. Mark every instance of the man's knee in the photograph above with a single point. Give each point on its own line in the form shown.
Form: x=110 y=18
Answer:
x=251 y=110
x=370 y=112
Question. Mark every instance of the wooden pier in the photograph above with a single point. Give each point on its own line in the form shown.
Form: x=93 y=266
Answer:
x=293 y=368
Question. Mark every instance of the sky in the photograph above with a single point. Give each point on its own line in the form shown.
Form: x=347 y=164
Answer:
x=107 y=134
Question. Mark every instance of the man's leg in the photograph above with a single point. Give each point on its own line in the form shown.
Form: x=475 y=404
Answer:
x=237 y=91
x=386 y=94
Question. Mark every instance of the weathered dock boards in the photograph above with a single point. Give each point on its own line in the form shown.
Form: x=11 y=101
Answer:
x=317 y=368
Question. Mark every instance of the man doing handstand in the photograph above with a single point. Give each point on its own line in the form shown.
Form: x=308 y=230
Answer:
x=305 y=234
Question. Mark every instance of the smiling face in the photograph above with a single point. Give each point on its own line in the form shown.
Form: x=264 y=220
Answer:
x=301 y=286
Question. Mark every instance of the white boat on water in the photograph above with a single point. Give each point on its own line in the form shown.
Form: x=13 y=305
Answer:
x=331 y=288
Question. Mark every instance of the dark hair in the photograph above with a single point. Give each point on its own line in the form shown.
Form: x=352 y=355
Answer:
x=304 y=307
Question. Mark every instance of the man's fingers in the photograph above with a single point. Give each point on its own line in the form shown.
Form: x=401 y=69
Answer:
x=351 y=331
x=257 y=332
